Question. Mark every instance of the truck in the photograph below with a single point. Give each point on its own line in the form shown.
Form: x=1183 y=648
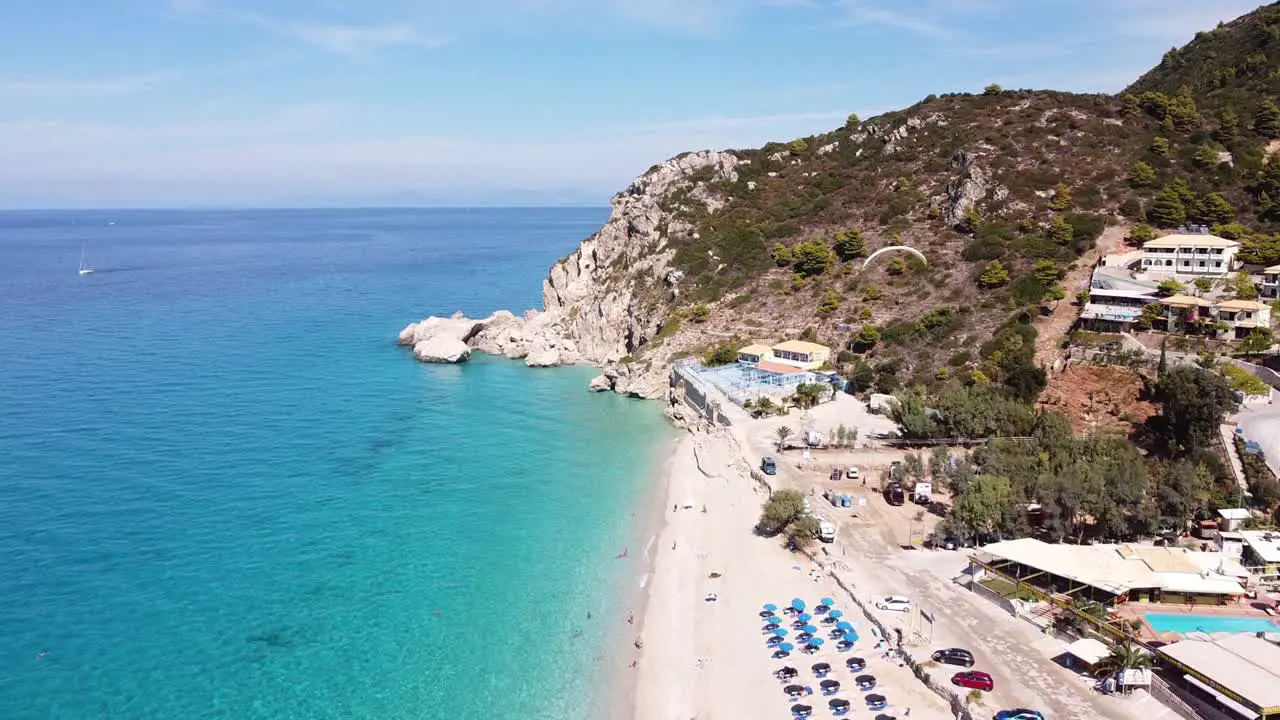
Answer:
x=922 y=494
x=826 y=530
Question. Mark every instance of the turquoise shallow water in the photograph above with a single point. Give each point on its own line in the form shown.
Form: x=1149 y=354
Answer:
x=224 y=493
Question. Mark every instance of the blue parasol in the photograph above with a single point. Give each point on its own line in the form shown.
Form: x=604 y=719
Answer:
x=805 y=617
x=780 y=632
x=846 y=626
x=771 y=607
x=786 y=647
x=798 y=604
x=809 y=629
x=828 y=601
x=773 y=620
x=816 y=641
x=836 y=614
x=851 y=636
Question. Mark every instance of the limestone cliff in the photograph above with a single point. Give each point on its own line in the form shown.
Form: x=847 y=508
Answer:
x=612 y=294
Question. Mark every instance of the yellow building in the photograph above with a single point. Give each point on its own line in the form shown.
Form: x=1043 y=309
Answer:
x=801 y=354
x=753 y=354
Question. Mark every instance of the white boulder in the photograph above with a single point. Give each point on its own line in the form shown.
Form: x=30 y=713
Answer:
x=441 y=348
x=600 y=383
x=406 y=335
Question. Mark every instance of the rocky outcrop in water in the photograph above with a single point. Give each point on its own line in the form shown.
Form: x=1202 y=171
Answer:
x=609 y=296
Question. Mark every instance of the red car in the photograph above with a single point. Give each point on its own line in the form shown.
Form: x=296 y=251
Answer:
x=974 y=680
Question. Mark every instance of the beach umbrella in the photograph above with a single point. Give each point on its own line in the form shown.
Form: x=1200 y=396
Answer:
x=780 y=632
x=836 y=614
x=820 y=669
x=830 y=686
x=816 y=642
x=827 y=601
x=845 y=626
x=866 y=682
x=805 y=617
x=801 y=710
x=855 y=664
x=851 y=636
x=787 y=671
x=797 y=604
x=786 y=647
x=794 y=690
x=770 y=608
x=803 y=637
x=876 y=702
x=772 y=641
x=809 y=629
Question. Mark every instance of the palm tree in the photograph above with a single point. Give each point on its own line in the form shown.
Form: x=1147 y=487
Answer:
x=783 y=433
x=1123 y=657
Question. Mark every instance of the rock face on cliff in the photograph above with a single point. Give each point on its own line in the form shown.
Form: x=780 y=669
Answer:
x=611 y=295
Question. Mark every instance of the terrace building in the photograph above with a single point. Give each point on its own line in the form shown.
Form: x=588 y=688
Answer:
x=1269 y=287
x=1189 y=254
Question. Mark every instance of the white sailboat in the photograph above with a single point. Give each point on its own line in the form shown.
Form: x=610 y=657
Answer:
x=84 y=269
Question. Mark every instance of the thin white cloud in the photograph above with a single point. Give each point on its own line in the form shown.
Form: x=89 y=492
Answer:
x=80 y=88
x=352 y=40
x=917 y=21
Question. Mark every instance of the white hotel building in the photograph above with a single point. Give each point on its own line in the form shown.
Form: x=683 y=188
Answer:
x=1189 y=255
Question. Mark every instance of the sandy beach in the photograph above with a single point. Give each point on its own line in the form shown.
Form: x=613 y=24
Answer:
x=707 y=659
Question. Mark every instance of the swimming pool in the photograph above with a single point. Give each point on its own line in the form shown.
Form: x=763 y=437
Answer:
x=1171 y=622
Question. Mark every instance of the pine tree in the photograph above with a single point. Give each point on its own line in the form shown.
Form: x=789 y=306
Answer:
x=1060 y=231
x=1061 y=197
x=1160 y=147
x=849 y=244
x=1046 y=272
x=993 y=275
x=1206 y=156
x=1228 y=130
x=1266 y=121
x=1142 y=175
x=1213 y=209
x=1168 y=209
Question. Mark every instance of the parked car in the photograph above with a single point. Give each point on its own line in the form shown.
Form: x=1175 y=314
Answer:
x=1019 y=714
x=974 y=680
x=950 y=542
x=853 y=473
x=954 y=656
x=769 y=466
x=894 y=494
x=894 y=602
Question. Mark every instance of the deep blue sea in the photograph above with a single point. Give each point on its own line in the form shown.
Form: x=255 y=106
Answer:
x=226 y=493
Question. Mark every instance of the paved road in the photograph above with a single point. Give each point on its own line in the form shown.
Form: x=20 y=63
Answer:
x=1262 y=425
x=1012 y=650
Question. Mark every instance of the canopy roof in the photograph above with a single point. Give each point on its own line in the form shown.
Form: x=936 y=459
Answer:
x=1246 y=665
x=1089 y=650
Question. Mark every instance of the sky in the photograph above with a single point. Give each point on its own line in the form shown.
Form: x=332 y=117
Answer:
x=197 y=103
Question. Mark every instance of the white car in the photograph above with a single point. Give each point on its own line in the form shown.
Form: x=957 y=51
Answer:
x=852 y=472
x=894 y=602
